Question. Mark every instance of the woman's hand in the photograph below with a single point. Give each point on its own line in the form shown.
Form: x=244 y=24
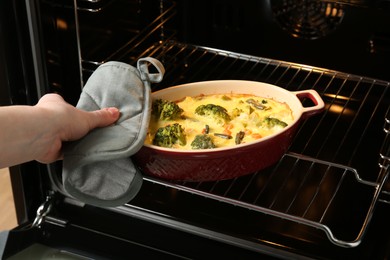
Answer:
x=67 y=123
x=37 y=132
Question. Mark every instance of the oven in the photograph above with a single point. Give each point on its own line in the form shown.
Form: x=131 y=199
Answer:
x=326 y=198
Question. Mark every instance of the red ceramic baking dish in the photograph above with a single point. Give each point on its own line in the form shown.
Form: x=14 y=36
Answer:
x=228 y=162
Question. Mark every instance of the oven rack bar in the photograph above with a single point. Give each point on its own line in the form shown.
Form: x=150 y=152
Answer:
x=385 y=150
x=90 y=6
x=211 y=190
x=384 y=161
x=171 y=50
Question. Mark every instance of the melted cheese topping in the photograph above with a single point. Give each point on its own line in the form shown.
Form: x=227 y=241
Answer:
x=244 y=116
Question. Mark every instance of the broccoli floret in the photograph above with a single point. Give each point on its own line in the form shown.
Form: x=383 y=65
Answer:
x=166 y=110
x=203 y=141
x=218 y=113
x=238 y=111
x=169 y=135
x=271 y=122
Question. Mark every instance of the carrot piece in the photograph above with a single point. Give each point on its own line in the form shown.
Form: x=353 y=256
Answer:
x=256 y=136
x=247 y=131
x=227 y=129
x=227 y=132
x=229 y=126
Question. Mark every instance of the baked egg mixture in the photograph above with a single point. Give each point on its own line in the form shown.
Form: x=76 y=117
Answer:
x=225 y=119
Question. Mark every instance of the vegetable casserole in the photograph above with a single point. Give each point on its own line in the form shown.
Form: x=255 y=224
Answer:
x=217 y=120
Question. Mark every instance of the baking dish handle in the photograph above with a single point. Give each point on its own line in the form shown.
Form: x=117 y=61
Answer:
x=315 y=98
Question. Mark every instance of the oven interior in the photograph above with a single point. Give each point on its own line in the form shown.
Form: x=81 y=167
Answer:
x=325 y=190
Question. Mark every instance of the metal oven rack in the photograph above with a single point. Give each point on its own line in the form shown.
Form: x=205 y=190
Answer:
x=309 y=200
x=323 y=169
x=338 y=159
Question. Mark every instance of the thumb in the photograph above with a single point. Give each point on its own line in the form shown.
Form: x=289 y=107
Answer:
x=103 y=117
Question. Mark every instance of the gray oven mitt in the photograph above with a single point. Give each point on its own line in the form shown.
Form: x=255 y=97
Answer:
x=97 y=169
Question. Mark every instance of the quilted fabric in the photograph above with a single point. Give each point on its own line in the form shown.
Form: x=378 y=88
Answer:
x=97 y=169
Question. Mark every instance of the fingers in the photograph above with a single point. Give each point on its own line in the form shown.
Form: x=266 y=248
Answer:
x=103 y=117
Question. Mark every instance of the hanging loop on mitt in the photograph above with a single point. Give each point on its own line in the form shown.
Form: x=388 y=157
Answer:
x=143 y=67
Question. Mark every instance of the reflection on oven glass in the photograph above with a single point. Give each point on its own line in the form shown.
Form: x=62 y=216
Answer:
x=339 y=109
x=339 y=104
x=39 y=251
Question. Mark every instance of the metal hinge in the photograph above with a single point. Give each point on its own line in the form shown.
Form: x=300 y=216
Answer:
x=42 y=211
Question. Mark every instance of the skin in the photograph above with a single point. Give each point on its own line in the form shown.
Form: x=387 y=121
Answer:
x=37 y=132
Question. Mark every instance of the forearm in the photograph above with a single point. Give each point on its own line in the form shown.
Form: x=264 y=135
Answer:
x=37 y=132
x=23 y=134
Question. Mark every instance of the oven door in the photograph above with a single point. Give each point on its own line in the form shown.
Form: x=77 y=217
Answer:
x=93 y=233
x=181 y=220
